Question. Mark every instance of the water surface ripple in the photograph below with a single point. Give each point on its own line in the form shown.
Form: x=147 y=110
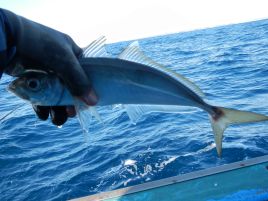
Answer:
x=230 y=64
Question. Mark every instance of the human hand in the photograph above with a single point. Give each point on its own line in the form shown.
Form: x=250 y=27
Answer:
x=42 y=48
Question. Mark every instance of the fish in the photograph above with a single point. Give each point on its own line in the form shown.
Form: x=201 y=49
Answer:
x=132 y=80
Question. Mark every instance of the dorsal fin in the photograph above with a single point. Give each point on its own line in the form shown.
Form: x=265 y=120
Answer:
x=96 y=48
x=133 y=53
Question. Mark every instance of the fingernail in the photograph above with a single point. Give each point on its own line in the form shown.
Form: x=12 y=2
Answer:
x=90 y=98
x=70 y=111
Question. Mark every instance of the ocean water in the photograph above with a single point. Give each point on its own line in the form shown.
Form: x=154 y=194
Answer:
x=39 y=161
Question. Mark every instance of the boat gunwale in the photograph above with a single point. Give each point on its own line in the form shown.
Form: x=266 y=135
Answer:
x=175 y=179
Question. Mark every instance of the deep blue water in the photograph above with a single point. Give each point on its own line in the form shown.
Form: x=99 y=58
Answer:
x=39 y=161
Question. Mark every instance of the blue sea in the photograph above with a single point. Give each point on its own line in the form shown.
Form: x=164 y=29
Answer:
x=39 y=161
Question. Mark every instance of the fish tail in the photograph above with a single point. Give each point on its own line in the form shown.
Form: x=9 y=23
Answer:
x=221 y=118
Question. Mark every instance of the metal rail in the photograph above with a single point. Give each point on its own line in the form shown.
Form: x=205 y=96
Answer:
x=175 y=179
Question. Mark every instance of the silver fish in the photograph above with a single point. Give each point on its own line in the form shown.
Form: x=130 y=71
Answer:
x=133 y=80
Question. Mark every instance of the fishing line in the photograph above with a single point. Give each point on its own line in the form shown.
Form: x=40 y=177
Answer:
x=9 y=113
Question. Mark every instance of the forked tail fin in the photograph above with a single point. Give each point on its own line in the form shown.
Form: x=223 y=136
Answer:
x=224 y=117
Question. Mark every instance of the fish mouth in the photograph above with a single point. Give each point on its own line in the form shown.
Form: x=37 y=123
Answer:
x=23 y=96
x=12 y=88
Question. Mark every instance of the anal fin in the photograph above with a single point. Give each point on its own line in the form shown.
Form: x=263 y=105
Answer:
x=135 y=112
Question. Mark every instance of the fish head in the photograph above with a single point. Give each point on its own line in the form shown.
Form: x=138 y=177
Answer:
x=38 y=87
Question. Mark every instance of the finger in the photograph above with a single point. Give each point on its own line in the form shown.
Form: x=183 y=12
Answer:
x=76 y=49
x=63 y=60
x=41 y=111
x=73 y=75
x=58 y=115
x=70 y=111
x=90 y=97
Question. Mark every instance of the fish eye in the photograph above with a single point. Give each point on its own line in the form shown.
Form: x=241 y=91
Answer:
x=33 y=84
